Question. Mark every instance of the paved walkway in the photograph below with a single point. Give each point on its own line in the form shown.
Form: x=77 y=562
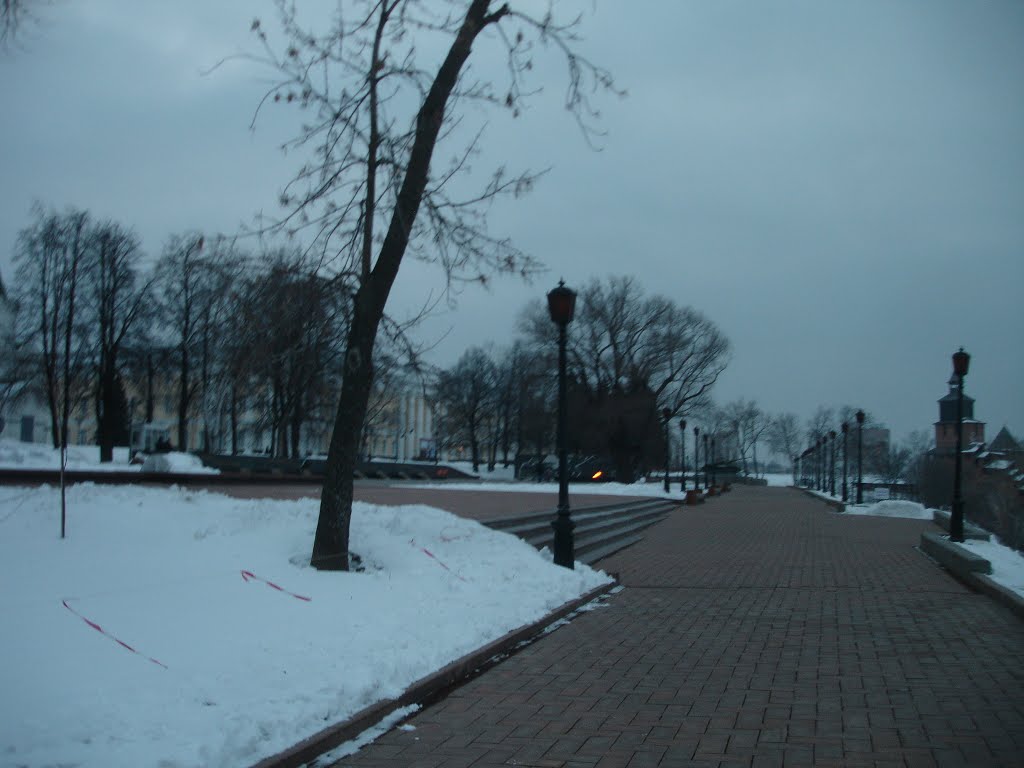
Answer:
x=759 y=629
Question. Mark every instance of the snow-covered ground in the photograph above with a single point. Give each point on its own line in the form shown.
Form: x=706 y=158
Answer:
x=182 y=628
x=18 y=455
x=218 y=667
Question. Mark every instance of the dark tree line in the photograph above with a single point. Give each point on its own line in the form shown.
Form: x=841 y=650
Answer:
x=631 y=356
x=225 y=333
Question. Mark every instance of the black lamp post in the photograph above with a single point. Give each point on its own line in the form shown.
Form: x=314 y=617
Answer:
x=846 y=429
x=860 y=457
x=706 y=455
x=696 y=458
x=961 y=360
x=666 y=414
x=562 y=307
x=832 y=456
x=682 y=455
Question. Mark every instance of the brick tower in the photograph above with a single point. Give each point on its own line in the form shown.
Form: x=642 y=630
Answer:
x=945 y=427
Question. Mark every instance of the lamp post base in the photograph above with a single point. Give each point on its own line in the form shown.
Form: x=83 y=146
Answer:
x=564 y=544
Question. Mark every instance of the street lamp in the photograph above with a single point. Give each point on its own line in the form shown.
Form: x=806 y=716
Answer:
x=860 y=457
x=961 y=360
x=562 y=307
x=846 y=429
x=666 y=414
x=832 y=456
x=682 y=455
x=706 y=455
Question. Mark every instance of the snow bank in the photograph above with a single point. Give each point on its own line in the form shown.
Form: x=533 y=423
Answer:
x=227 y=669
x=178 y=463
x=891 y=508
x=17 y=455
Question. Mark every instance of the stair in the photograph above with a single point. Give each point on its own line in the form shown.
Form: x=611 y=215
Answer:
x=600 y=530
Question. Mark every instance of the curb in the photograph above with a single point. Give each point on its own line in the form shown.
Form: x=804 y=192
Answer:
x=967 y=568
x=971 y=531
x=958 y=560
x=430 y=687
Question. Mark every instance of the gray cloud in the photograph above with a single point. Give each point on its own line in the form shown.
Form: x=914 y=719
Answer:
x=839 y=186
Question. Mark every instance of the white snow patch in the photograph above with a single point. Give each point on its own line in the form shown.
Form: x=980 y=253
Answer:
x=1007 y=563
x=18 y=455
x=891 y=508
x=177 y=463
x=248 y=669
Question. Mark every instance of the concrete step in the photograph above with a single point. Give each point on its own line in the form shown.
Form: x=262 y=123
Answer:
x=524 y=525
x=587 y=528
x=599 y=530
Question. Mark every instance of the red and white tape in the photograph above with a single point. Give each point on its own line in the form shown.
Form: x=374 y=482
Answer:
x=249 y=575
x=102 y=631
x=434 y=557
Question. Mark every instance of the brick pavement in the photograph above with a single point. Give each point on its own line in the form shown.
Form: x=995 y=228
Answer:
x=759 y=629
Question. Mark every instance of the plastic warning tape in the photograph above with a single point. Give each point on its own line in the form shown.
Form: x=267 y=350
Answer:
x=102 y=631
x=247 y=575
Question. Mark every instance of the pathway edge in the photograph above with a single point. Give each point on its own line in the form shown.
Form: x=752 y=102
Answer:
x=448 y=676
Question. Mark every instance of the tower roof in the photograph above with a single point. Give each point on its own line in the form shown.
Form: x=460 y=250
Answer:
x=951 y=397
x=1004 y=442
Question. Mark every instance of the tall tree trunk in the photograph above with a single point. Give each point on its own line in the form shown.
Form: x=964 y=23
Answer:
x=183 y=399
x=109 y=415
x=330 y=544
x=149 y=388
x=296 y=432
x=474 y=445
x=234 y=419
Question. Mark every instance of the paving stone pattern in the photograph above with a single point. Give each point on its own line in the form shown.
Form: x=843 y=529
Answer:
x=759 y=629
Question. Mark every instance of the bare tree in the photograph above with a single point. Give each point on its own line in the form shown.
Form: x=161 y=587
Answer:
x=891 y=462
x=179 y=281
x=819 y=424
x=50 y=255
x=466 y=393
x=373 y=175
x=625 y=341
x=114 y=302
x=293 y=323
x=748 y=423
x=14 y=15
x=784 y=435
x=629 y=356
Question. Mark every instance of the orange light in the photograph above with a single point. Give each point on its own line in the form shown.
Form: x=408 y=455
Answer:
x=596 y=475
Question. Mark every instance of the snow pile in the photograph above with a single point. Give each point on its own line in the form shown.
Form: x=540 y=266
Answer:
x=17 y=455
x=178 y=463
x=1007 y=563
x=891 y=508
x=238 y=648
x=500 y=472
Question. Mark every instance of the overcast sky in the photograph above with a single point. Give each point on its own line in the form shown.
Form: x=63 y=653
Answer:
x=839 y=186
